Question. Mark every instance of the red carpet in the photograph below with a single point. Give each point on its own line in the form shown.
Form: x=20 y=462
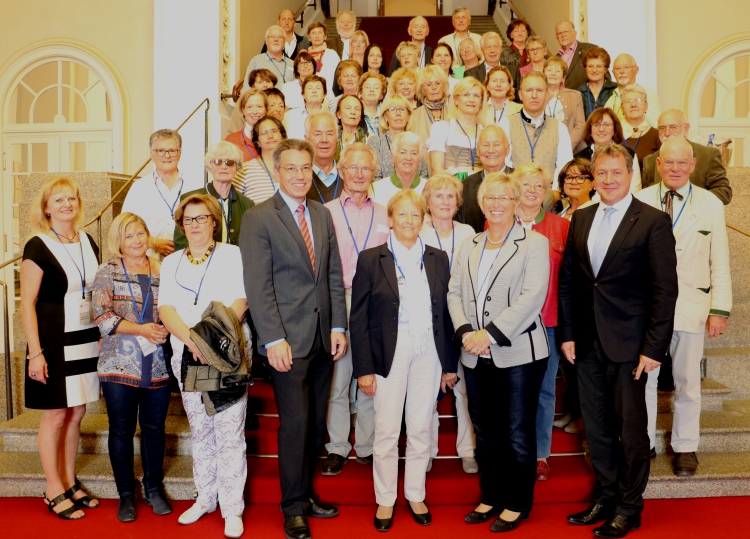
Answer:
x=714 y=518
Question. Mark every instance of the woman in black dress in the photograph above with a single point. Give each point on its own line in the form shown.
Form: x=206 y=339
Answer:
x=57 y=277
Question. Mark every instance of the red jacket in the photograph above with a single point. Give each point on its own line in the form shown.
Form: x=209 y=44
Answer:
x=555 y=229
x=239 y=139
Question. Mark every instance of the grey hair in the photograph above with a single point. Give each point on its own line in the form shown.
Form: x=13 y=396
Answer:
x=634 y=88
x=316 y=114
x=459 y=10
x=223 y=150
x=292 y=144
x=361 y=148
x=404 y=138
x=489 y=35
x=274 y=27
x=502 y=179
x=165 y=134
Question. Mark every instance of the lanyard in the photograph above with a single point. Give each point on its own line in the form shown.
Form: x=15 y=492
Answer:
x=661 y=203
x=473 y=151
x=226 y=215
x=502 y=111
x=557 y=101
x=273 y=185
x=533 y=146
x=200 y=285
x=335 y=191
x=139 y=315
x=250 y=147
x=176 y=200
x=83 y=263
x=283 y=75
x=429 y=115
x=453 y=240
x=421 y=264
x=625 y=142
x=372 y=130
x=493 y=262
x=367 y=238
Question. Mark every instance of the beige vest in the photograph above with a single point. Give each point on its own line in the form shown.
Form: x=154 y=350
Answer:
x=545 y=151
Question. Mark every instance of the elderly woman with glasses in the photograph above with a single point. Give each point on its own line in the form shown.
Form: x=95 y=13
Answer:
x=207 y=271
x=304 y=67
x=405 y=156
x=256 y=179
x=394 y=119
x=536 y=47
x=470 y=53
x=222 y=160
x=496 y=294
x=576 y=186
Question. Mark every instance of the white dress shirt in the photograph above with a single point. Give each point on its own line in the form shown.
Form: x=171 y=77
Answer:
x=620 y=209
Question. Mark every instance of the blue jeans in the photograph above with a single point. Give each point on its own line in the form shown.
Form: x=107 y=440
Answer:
x=545 y=413
x=125 y=406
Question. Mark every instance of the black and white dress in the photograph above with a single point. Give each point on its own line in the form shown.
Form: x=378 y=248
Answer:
x=71 y=348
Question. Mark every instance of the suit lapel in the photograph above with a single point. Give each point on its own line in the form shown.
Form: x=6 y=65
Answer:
x=430 y=267
x=585 y=229
x=474 y=256
x=690 y=218
x=389 y=268
x=318 y=234
x=291 y=224
x=628 y=220
x=508 y=251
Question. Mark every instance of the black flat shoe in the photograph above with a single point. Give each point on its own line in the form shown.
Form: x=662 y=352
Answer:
x=296 y=527
x=84 y=502
x=423 y=519
x=478 y=517
x=596 y=512
x=618 y=526
x=501 y=526
x=318 y=510
x=383 y=524
x=126 y=509
x=158 y=502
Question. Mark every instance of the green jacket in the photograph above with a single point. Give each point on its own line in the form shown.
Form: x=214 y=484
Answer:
x=239 y=204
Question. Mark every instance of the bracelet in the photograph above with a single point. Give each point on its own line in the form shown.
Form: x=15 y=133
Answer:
x=39 y=353
x=469 y=335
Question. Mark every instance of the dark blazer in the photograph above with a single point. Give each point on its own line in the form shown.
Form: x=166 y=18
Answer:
x=576 y=72
x=480 y=72
x=302 y=43
x=373 y=320
x=470 y=213
x=710 y=172
x=336 y=44
x=630 y=304
x=289 y=301
x=395 y=63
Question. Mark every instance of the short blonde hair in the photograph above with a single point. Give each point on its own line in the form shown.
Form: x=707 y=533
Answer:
x=119 y=228
x=404 y=138
x=383 y=83
x=407 y=45
x=533 y=170
x=388 y=102
x=362 y=34
x=400 y=74
x=439 y=181
x=38 y=216
x=498 y=179
x=464 y=85
x=193 y=200
x=413 y=196
x=223 y=150
x=480 y=56
x=429 y=73
x=556 y=61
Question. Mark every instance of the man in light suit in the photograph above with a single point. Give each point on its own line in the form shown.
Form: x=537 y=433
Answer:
x=492 y=47
x=418 y=30
x=705 y=298
x=293 y=42
x=618 y=289
x=709 y=173
x=293 y=273
x=572 y=51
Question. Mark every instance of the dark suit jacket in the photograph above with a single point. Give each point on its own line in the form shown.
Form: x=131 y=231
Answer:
x=395 y=63
x=373 y=320
x=289 y=301
x=709 y=172
x=302 y=43
x=630 y=304
x=480 y=72
x=336 y=44
x=576 y=72
x=470 y=213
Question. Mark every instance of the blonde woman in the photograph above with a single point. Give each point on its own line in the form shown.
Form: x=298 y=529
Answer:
x=357 y=46
x=499 y=84
x=404 y=82
x=408 y=55
x=470 y=53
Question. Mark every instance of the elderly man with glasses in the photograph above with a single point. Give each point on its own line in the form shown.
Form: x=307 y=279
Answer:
x=572 y=51
x=625 y=71
x=273 y=59
x=293 y=42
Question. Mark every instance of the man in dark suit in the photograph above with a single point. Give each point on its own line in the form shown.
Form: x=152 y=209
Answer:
x=346 y=24
x=293 y=42
x=572 y=52
x=618 y=290
x=709 y=173
x=418 y=30
x=293 y=273
x=492 y=47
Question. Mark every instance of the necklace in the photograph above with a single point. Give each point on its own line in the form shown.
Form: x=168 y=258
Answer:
x=202 y=259
x=495 y=242
x=70 y=240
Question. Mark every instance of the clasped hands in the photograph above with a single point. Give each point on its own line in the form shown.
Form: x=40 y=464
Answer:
x=477 y=343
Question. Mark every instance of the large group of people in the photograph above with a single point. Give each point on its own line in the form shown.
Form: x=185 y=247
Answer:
x=475 y=223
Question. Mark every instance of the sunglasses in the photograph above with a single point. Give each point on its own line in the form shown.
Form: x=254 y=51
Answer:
x=227 y=162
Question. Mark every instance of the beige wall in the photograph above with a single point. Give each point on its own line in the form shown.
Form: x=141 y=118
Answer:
x=542 y=16
x=122 y=32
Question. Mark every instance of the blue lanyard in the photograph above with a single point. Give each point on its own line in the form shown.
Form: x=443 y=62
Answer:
x=625 y=142
x=502 y=111
x=200 y=285
x=273 y=185
x=661 y=203
x=367 y=238
x=226 y=215
x=453 y=239
x=421 y=264
x=472 y=151
x=498 y=254
x=373 y=130
x=139 y=315
x=533 y=146
x=83 y=263
x=176 y=200
x=335 y=191
x=250 y=148
x=283 y=75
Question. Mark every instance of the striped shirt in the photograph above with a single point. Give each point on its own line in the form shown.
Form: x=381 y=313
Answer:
x=254 y=181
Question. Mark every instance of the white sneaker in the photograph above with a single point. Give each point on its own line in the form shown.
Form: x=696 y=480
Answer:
x=233 y=527
x=470 y=464
x=194 y=513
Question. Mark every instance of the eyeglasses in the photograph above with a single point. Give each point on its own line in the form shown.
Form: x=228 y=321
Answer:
x=577 y=178
x=394 y=110
x=273 y=131
x=605 y=125
x=227 y=162
x=200 y=219
x=669 y=163
x=503 y=199
x=528 y=186
x=304 y=63
x=365 y=171
x=291 y=169
x=634 y=100
x=670 y=128
x=536 y=49
x=161 y=152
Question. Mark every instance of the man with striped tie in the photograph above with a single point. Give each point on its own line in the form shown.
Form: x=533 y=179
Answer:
x=293 y=275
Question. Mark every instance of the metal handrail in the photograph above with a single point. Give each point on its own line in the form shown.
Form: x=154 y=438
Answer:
x=98 y=220
x=738 y=229
x=299 y=14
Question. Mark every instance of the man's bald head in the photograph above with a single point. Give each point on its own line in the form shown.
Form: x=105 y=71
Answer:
x=675 y=163
x=418 y=29
x=492 y=148
x=566 y=33
x=625 y=70
x=673 y=124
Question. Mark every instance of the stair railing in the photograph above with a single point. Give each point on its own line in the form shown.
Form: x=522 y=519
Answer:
x=98 y=220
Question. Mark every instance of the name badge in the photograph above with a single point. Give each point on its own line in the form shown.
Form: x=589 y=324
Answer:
x=86 y=310
x=147 y=347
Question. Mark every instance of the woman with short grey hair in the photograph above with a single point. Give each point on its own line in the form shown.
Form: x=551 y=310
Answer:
x=405 y=153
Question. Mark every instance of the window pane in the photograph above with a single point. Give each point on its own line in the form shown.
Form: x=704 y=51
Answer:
x=99 y=158
x=73 y=106
x=708 y=99
x=96 y=98
x=42 y=77
x=77 y=156
x=20 y=105
x=77 y=76
x=45 y=109
x=39 y=157
x=109 y=107
x=19 y=157
x=17 y=181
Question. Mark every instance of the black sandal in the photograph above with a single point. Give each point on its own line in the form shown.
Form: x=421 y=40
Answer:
x=84 y=502
x=65 y=514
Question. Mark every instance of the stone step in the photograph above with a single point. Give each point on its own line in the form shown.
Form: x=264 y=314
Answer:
x=731 y=367
x=718 y=474
x=713 y=394
x=725 y=431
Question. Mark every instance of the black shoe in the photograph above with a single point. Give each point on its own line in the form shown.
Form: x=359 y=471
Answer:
x=333 y=464
x=296 y=528
x=618 y=526
x=126 y=509
x=653 y=453
x=685 y=464
x=500 y=525
x=318 y=510
x=367 y=461
x=158 y=502
x=423 y=519
x=251 y=421
x=383 y=524
x=596 y=512
x=477 y=517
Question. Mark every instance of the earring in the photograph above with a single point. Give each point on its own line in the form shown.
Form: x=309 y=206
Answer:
x=49 y=215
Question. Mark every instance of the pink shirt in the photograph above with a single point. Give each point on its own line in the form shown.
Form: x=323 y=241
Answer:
x=359 y=222
x=567 y=54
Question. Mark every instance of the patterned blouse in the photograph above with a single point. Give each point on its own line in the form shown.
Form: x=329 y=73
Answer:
x=120 y=355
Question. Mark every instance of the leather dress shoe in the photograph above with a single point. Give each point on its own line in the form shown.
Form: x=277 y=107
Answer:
x=333 y=464
x=618 y=526
x=126 y=509
x=158 y=502
x=423 y=519
x=383 y=524
x=500 y=525
x=685 y=464
x=652 y=453
x=542 y=470
x=367 y=461
x=563 y=421
x=318 y=510
x=575 y=427
x=296 y=527
x=596 y=512
x=478 y=517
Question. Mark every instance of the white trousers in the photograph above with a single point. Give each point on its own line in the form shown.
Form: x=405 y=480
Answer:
x=686 y=350
x=413 y=380
x=465 y=439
